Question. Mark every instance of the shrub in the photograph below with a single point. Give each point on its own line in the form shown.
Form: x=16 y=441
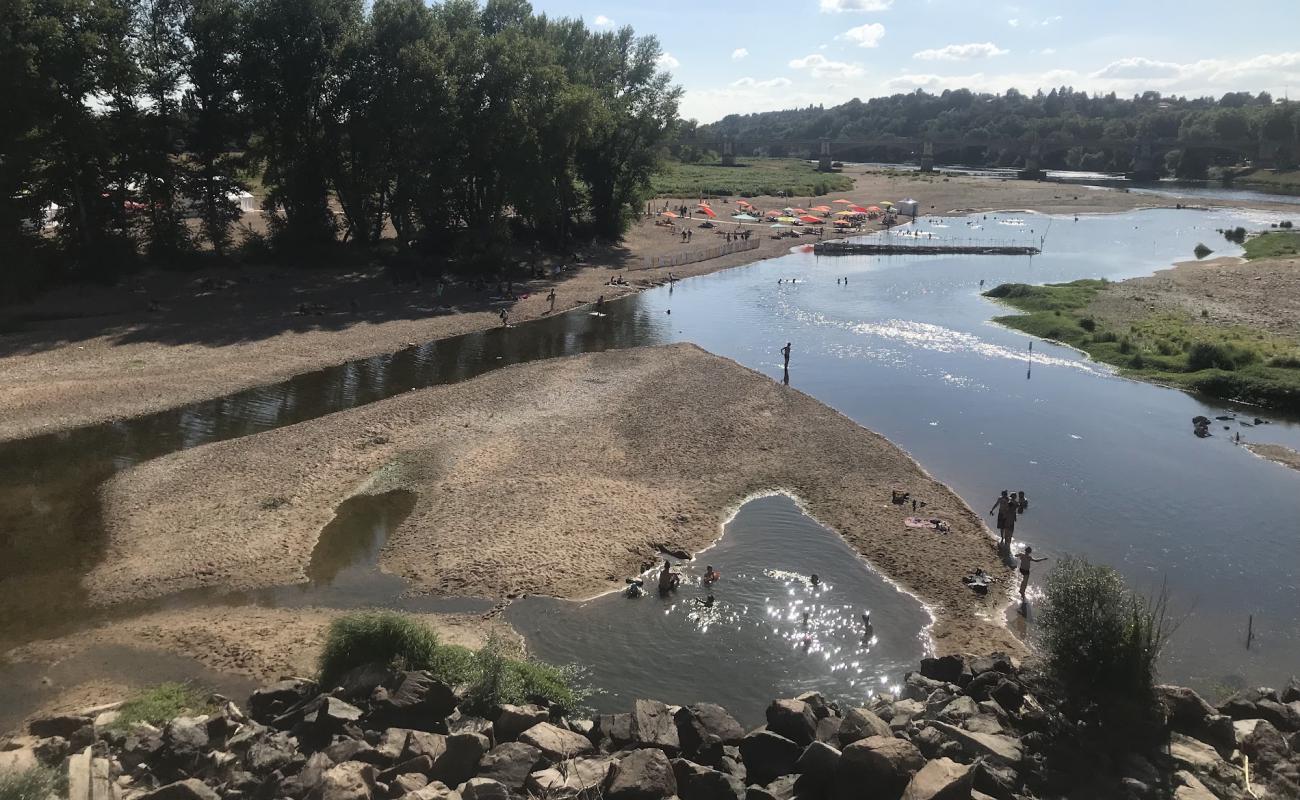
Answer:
x=500 y=679
x=39 y=783
x=1125 y=345
x=1208 y=355
x=1285 y=362
x=1202 y=251
x=1102 y=642
x=384 y=637
x=1106 y=336
x=163 y=702
x=1088 y=324
x=1137 y=361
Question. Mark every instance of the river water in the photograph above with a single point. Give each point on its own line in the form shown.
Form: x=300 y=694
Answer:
x=905 y=347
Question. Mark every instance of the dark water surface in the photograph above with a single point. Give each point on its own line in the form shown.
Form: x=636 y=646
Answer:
x=905 y=348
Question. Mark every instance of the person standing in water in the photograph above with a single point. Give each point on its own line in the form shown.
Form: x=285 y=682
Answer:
x=1006 y=511
x=1027 y=560
x=785 y=353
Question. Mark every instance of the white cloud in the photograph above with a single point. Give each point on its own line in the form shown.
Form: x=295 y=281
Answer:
x=821 y=67
x=668 y=61
x=1138 y=67
x=739 y=53
x=603 y=21
x=1047 y=51
x=841 y=6
x=750 y=83
x=1015 y=23
x=868 y=35
x=1051 y=20
x=961 y=52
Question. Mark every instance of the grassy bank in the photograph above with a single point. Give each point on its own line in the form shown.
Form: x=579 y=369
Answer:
x=1232 y=362
x=1287 y=179
x=1273 y=244
x=752 y=177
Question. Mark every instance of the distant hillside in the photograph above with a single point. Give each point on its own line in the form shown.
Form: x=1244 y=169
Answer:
x=1014 y=116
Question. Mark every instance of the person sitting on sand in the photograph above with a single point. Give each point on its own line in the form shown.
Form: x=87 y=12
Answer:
x=1026 y=561
x=668 y=580
x=711 y=575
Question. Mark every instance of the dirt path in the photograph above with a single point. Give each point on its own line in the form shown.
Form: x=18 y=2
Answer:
x=556 y=477
x=88 y=354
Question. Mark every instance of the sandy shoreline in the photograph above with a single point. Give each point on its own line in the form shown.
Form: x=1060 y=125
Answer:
x=557 y=477
x=1275 y=452
x=84 y=354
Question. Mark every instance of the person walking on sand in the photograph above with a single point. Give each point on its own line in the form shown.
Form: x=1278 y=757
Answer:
x=551 y=299
x=1027 y=560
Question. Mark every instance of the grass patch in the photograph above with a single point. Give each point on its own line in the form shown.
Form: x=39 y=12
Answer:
x=1273 y=244
x=1287 y=179
x=39 y=783
x=162 y=703
x=1232 y=362
x=752 y=177
x=492 y=676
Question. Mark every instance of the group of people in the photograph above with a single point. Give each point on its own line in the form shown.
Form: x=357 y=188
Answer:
x=1009 y=506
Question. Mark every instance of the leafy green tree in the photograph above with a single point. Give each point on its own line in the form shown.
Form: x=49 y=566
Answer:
x=162 y=51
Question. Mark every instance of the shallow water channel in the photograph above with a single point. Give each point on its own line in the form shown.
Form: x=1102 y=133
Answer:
x=905 y=348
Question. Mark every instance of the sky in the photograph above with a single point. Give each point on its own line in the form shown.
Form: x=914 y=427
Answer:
x=743 y=56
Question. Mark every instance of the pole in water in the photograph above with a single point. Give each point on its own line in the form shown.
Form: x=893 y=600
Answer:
x=1250 y=631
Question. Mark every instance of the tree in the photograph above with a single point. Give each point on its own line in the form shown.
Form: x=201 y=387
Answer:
x=161 y=53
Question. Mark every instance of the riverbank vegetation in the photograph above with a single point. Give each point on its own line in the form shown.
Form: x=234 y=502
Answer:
x=1232 y=362
x=160 y=703
x=459 y=128
x=491 y=675
x=789 y=177
x=37 y=783
x=1273 y=244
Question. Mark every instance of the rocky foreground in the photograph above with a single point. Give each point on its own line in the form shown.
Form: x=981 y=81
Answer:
x=962 y=728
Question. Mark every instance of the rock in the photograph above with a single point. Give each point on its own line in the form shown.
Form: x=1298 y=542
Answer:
x=783 y=788
x=464 y=723
x=929 y=741
x=994 y=662
x=982 y=685
x=859 y=723
x=403 y=785
x=828 y=729
x=768 y=756
x=1291 y=693
x=918 y=687
x=960 y=708
x=818 y=763
x=1184 y=709
x=652 y=725
x=995 y=781
x=793 y=719
x=309 y=777
x=577 y=777
x=510 y=763
x=643 y=775
x=1189 y=787
x=423 y=743
x=436 y=790
x=1239 y=707
x=188 y=789
x=1002 y=749
x=1192 y=754
x=616 y=729
x=351 y=780
x=514 y=720
x=700 y=720
x=65 y=726
x=267 y=756
x=941 y=779
x=18 y=760
x=52 y=750
x=421 y=764
x=1260 y=740
x=876 y=765
x=482 y=789
x=391 y=744
x=695 y=782
x=270 y=702
x=360 y=682
x=983 y=723
x=817 y=703
x=1009 y=695
x=414 y=699
x=1285 y=718
x=555 y=743
x=948 y=669
x=460 y=761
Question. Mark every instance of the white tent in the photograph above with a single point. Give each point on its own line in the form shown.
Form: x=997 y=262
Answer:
x=245 y=200
x=908 y=207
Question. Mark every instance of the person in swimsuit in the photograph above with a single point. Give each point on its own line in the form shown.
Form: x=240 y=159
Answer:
x=668 y=580
x=1022 y=502
x=711 y=575
x=1027 y=560
x=1006 y=511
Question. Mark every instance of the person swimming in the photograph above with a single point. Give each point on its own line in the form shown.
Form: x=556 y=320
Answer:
x=815 y=580
x=711 y=575
x=668 y=580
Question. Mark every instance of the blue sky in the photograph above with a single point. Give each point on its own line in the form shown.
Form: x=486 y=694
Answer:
x=737 y=56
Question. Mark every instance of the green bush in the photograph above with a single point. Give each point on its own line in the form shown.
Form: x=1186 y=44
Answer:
x=500 y=679
x=162 y=703
x=383 y=637
x=1137 y=361
x=1088 y=324
x=39 y=783
x=1102 y=642
x=1208 y=355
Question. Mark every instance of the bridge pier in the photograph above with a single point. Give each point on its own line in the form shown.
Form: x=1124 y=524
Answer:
x=728 y=152
x=1032 y=171
x=824 y=162
x=1144 y=163
x=927 y=156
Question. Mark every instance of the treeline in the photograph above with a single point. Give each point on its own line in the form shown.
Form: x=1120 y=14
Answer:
x=1056 y=118
x=130 y=125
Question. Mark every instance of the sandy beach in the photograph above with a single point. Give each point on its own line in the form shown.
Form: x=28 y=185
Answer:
x=1276 y=452
x=559 y=477
x=87 y=354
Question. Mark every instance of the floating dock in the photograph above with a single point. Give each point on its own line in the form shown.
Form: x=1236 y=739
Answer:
x=892 y=249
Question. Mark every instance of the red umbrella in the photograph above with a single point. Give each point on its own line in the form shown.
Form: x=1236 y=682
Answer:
x=810 y=218
x=774 y=213
x=843 y=202
x=710 y=213
x=858 y=209
x=668 y=214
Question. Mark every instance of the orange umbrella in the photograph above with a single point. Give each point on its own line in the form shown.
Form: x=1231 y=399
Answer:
x=810 y=218
x=708 y=211
x=744 y=203
x=668 y=214
x=858 y=209
x=873 y=208
x=774 y=213
x=843 y=222
x=821 y=209
x=800 y=210
x=844 y=202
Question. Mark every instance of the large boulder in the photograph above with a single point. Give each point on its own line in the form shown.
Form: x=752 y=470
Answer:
x=460 y=761
x=64 y=725
x=1001 y=749
x=698 y=721
x=482 y=789
x=949 y=669
x=351 y=780
x=859 y=723
x=270 y=702
x=414 y=699
x=1261 y=740
x=876 y=766
x=18 y=760
x=1285 y=717
x=695 y=782
x=642 y=775
x=818 y=763
x=556 y=743
x=1185 y=711
x=768 y=756
x=514 y=720
x=423 y=743
x=575 y=778
x=993 y=662
x=510 y=763
x=188 y=789
x=1291 y=693
x=435 y=790
x=793 y=719
x=941 y=779
x=652 y=725
x=613 y=731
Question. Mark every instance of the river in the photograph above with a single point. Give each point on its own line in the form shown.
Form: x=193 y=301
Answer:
x=905 y=347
